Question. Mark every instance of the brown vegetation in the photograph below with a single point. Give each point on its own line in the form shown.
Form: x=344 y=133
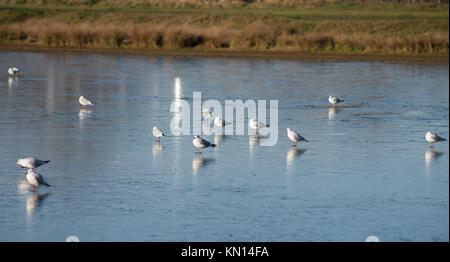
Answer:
x=256 y=36
x=376 y=29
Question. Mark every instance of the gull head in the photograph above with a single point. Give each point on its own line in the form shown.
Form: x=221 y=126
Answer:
x=19 y=162
x=196 y=137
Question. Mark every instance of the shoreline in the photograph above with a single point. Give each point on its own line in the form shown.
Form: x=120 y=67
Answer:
x=253 y=54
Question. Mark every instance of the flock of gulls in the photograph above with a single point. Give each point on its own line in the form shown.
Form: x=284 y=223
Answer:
x=36 y=179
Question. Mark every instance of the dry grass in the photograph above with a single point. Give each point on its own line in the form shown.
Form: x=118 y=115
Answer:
x=373 y=30
x=257 y=36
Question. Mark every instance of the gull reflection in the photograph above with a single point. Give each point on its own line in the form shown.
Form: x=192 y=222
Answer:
x=200 y=162
x=293 y=154
x=332 y=113
x=255 y=139
x=253 y=142
x=206 y=127
x=34 y=201
x=23 y=186
x=177 y=92
x=84 y=113
x=12 y=81
x=219 y=137
x=430 y=155
x=157 y=148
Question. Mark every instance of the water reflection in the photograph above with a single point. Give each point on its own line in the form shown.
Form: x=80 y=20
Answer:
x=23 y=186
x=157 y=148
x=12 y=80
x=84 y=113
x=206 y=126
x=200 y=162
x=219 y=138
x=177 y=91
x=34 y=201
x=430 y=156
x=332 y=113
x=293 y=154
x=253 y=142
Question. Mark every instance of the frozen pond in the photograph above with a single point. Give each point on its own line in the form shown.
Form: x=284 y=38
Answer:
x=367 y=171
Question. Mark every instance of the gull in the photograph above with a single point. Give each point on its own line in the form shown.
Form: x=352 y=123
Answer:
x=201 y=143
x=335 y=100
x=14 y=71
x=31 y=162
x=254 y=124
x=157 y=133
x=36 y=180
x=432 y=137
x=218 y=121
x=206 y=113
x=295 y=137
x=83 y=101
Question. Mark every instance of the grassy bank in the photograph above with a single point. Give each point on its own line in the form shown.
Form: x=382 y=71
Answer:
x=291 y=26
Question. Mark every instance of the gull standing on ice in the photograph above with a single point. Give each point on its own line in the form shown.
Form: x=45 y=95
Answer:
x=84 y=102
x=206 y=113
x=254 y=124
x=201 y=143
x=218 y=121
x=432 y=137
x=295 y=137
x=14 y=71
x=31 y=162
x=335 y=100
x=36 y=180
x=157 y=133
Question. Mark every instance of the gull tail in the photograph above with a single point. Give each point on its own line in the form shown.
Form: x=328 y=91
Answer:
x=47 y=161
x=213 y=145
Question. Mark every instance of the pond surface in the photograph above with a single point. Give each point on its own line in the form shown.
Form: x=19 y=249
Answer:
x=367 y=171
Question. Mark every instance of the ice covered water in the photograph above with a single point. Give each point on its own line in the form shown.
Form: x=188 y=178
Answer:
x=367 y=171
